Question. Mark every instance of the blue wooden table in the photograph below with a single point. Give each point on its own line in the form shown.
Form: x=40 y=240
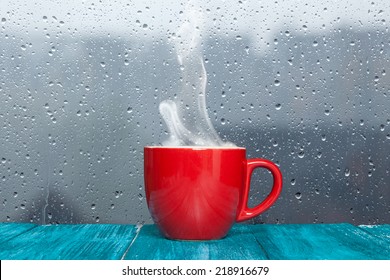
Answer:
x=275 y=242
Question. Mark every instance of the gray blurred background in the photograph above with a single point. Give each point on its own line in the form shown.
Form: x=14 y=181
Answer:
x=305 y=84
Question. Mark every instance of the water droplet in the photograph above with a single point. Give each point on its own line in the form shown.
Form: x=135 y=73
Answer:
x=102 y=64
x=127 y=62
x=347 y=172
x=278 y=106
x=129 y=110
x=117 y=194
x=238 y=37
x=277 y=83
x=144 y=26
x=93 y=206
x=315 y=44
x=23 y=47
x=3 y=20
x=301 y=154
x=293 y=181
x=223 y=121
x=298 y=195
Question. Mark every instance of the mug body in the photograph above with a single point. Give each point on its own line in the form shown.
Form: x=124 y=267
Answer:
x=193 y=192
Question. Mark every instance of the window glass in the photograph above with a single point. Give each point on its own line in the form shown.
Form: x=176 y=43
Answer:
x=302 y=83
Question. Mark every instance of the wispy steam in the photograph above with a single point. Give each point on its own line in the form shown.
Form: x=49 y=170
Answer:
x=186 y=116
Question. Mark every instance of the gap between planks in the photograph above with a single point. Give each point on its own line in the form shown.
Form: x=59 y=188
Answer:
x=138 y=230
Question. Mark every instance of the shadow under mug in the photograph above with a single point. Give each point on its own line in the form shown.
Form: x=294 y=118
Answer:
x=198 y=193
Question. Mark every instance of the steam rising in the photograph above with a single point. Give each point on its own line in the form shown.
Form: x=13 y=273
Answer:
x=186 y=116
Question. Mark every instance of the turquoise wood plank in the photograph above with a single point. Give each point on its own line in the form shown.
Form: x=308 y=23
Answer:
x=13 y=230
x=379 y=231
x=337 y=241
x=319 y=241
x=239 y=244
x=69 y=242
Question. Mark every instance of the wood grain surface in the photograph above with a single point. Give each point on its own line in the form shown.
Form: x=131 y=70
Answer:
x=253 y=242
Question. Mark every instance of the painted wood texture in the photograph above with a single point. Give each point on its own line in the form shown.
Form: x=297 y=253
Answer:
x=320 y=241
x=69 y=242
x=309 y=241
x=239 y=244
x=9 y=231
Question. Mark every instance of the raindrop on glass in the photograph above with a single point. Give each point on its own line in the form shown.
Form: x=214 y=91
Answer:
x=293 y=181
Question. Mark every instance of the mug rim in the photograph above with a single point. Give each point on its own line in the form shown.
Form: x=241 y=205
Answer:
x=195 y=147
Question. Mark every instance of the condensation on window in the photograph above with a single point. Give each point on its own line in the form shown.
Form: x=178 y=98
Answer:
x=303 y=83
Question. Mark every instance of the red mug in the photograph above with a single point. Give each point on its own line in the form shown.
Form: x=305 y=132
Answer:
x=198 y=193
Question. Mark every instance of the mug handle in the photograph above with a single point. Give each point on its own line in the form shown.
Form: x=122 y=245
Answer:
x=246 y=213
